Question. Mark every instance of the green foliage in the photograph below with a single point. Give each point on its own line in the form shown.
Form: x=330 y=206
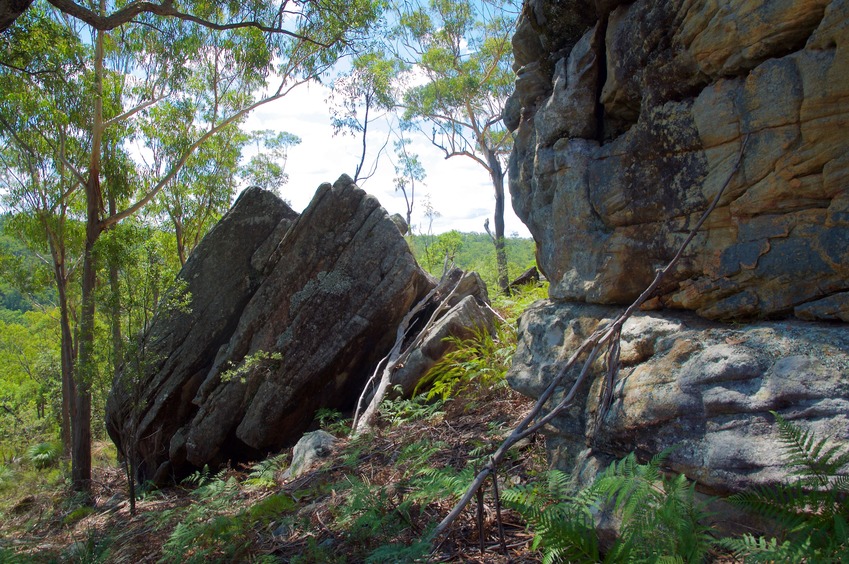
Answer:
x=93 y=549
x=267 y=168
x=7 y=475
x=512 y=306
x=661 y=521
x=260 y=362
x=400 y=411
x=473 y=251
x=263 y=474
x=210 y=529
x=77 y=514
x=812 y=510
x=332 y=421
x=480 y=361
x=43 y=455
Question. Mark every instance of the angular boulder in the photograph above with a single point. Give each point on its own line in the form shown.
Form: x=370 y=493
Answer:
x=344 y=279
x=465 y=303
x=287 y=314
x=152 y=397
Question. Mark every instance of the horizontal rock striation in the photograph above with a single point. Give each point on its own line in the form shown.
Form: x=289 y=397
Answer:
x=629 y=117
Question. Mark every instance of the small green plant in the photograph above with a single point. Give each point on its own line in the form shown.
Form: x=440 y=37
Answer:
x=481 y=361
x=213 y=528
x=45 y=454
x=401 y=411
x=661 y=521
x=93 y=549
x=812 y=510
x=259 y=360
x=7 y=476
x=77 y=515
x=332 y=421
x=263 y=474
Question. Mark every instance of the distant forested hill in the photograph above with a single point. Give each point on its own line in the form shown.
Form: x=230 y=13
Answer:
x=472 y=251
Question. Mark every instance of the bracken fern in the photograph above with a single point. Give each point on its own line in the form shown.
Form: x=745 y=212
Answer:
x=812 y=510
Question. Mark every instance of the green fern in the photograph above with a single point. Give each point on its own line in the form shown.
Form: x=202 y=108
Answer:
x=812 y=510
x=262 y=474
x=661 y=521
x=481 y=361
x=43 y=455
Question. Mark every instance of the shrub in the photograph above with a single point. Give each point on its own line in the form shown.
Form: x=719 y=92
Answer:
x=660 y=519
x=43 y=455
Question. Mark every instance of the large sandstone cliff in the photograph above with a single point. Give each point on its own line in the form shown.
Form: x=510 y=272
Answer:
x=629 y=117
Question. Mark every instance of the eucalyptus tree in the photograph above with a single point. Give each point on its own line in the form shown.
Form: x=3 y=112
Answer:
x=408 y=171
x=267 y=168
x=140 y=55
x=38 y=133
x=462 y=57
x=362 y=95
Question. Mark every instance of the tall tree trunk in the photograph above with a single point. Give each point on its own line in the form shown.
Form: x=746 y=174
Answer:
x=496 y=173
x=81 y=449
x=115 y=300
x=66 y=348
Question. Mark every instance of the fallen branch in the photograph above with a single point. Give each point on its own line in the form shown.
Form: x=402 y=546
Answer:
x=396 y=356
x=607 y=335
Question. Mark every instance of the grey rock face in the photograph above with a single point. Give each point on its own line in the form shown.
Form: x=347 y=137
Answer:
x=310 y=449
x=288 y=314
x=220 y=277
x=467 y=314
x=344 y=280
x=627 y=129
x=705 y=387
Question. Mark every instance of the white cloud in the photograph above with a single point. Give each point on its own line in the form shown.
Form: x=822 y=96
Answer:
x=459 y=188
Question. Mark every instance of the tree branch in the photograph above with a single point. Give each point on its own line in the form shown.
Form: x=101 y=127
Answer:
x=118 y=217
x=166 y=8
x=530 y=424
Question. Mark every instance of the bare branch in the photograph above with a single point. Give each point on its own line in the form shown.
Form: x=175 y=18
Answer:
x=530 y=424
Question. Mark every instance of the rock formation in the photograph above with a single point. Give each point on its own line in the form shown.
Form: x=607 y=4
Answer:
x=705 y=387
x=629 y=117
x=287 y=314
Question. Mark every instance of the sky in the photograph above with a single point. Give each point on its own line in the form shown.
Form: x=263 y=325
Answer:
x=459 y=188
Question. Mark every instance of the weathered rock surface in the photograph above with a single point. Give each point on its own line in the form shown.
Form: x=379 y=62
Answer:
x=288 y=314
x=629 y=118
x=310 y=449
x=466 y=312
x=151 y=402
x=703 y=386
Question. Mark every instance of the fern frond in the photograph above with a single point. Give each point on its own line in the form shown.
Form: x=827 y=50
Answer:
x=806 y=454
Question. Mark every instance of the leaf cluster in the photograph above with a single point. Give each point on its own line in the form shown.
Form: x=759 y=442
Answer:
x=480 y=361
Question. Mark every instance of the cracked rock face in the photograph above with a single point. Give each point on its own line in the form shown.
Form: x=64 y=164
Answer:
x=630 y=117
x=288 y=314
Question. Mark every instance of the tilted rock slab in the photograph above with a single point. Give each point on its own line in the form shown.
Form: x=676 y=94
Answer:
x=330 y=290
x=629 y=118
x=703 y=387
x=149 y=402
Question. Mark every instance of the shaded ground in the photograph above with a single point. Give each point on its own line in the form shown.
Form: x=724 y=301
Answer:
x=386 y=488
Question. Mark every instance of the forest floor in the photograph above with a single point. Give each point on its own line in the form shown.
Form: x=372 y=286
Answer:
x=371 y=500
